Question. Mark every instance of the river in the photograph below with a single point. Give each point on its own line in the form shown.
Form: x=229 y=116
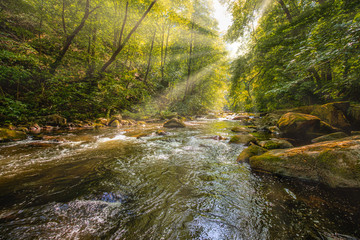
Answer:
x=103 y=184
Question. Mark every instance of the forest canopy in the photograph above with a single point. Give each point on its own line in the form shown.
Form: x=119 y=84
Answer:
x=299 y=53
x=89 y=58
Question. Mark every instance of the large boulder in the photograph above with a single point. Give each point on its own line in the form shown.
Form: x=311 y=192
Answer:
x=334 y=114
x=298 y=124
x=7 y=135
x=334 y=163
x=55 y=120
x=303 y=126
x=174 y=123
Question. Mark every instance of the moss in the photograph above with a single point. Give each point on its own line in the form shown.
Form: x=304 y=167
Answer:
x=7 y=135
x=251 y=151
x=272 y=145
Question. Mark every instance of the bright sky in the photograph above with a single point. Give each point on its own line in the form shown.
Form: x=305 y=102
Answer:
x=225 y=20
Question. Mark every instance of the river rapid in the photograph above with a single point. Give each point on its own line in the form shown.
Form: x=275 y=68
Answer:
x=104 y=184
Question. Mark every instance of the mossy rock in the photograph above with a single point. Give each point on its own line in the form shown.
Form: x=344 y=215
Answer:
x=243 y=139
x=7 y=135
x=252 y=150
x=333 y=114
x=115 y=123
x=275 y=144
x=330 y=137
x=303 y=126
x=334 y=163
x=174 y=123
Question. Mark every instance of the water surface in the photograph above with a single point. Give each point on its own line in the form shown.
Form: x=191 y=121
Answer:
x=103 y=184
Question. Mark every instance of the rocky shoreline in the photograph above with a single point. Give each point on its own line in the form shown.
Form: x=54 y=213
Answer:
x=326 y=140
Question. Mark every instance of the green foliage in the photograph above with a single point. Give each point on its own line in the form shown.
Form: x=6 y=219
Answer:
x=141 y=81
x=313 y=58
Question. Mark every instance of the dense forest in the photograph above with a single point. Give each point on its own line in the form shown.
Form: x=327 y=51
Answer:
x=298 y=53
x=87 y=59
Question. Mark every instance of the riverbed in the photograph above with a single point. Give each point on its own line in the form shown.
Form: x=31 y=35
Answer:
x=105 y=184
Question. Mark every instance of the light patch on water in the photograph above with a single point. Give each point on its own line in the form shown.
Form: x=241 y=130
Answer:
x=119 y=136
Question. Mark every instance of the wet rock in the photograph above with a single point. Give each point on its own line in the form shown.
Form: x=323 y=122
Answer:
x=252 y=150
x=174 y=123
x=330 y=137
x=333 y=114
x=275 y=143
x=161 y=132
x=55 y=120
x=115 y=123
x=7 y=135
x=243 y=139
x=334 y=163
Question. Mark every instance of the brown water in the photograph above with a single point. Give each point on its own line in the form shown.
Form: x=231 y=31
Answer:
x=104 y=185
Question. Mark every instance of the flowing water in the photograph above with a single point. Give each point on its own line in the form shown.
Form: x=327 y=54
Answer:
x=102 y=184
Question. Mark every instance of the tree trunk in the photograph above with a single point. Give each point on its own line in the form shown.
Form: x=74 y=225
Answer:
x=40 y=25
x=121 y=46
x=150 y=55
x=286 y=10
x=189 y=61
x=71 y=37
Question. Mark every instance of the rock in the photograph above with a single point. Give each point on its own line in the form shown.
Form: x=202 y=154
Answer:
x=161 y=132
x=354 y=116
x=174 y=123
x=275 y=143
x=55 y=120
x=116 y=117
x=241 y=129
x=7 y=135
x=333 y=114
x=330 y=137
x=115 y=123
x=354 y=133
x=274 y=129
x=243 y=139
x=268 y=120
x=302 y=126
x=102 y=121
x=252 y=150
x=334 y=163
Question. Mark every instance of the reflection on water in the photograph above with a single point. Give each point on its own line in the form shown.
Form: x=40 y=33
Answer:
x=105 y=185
